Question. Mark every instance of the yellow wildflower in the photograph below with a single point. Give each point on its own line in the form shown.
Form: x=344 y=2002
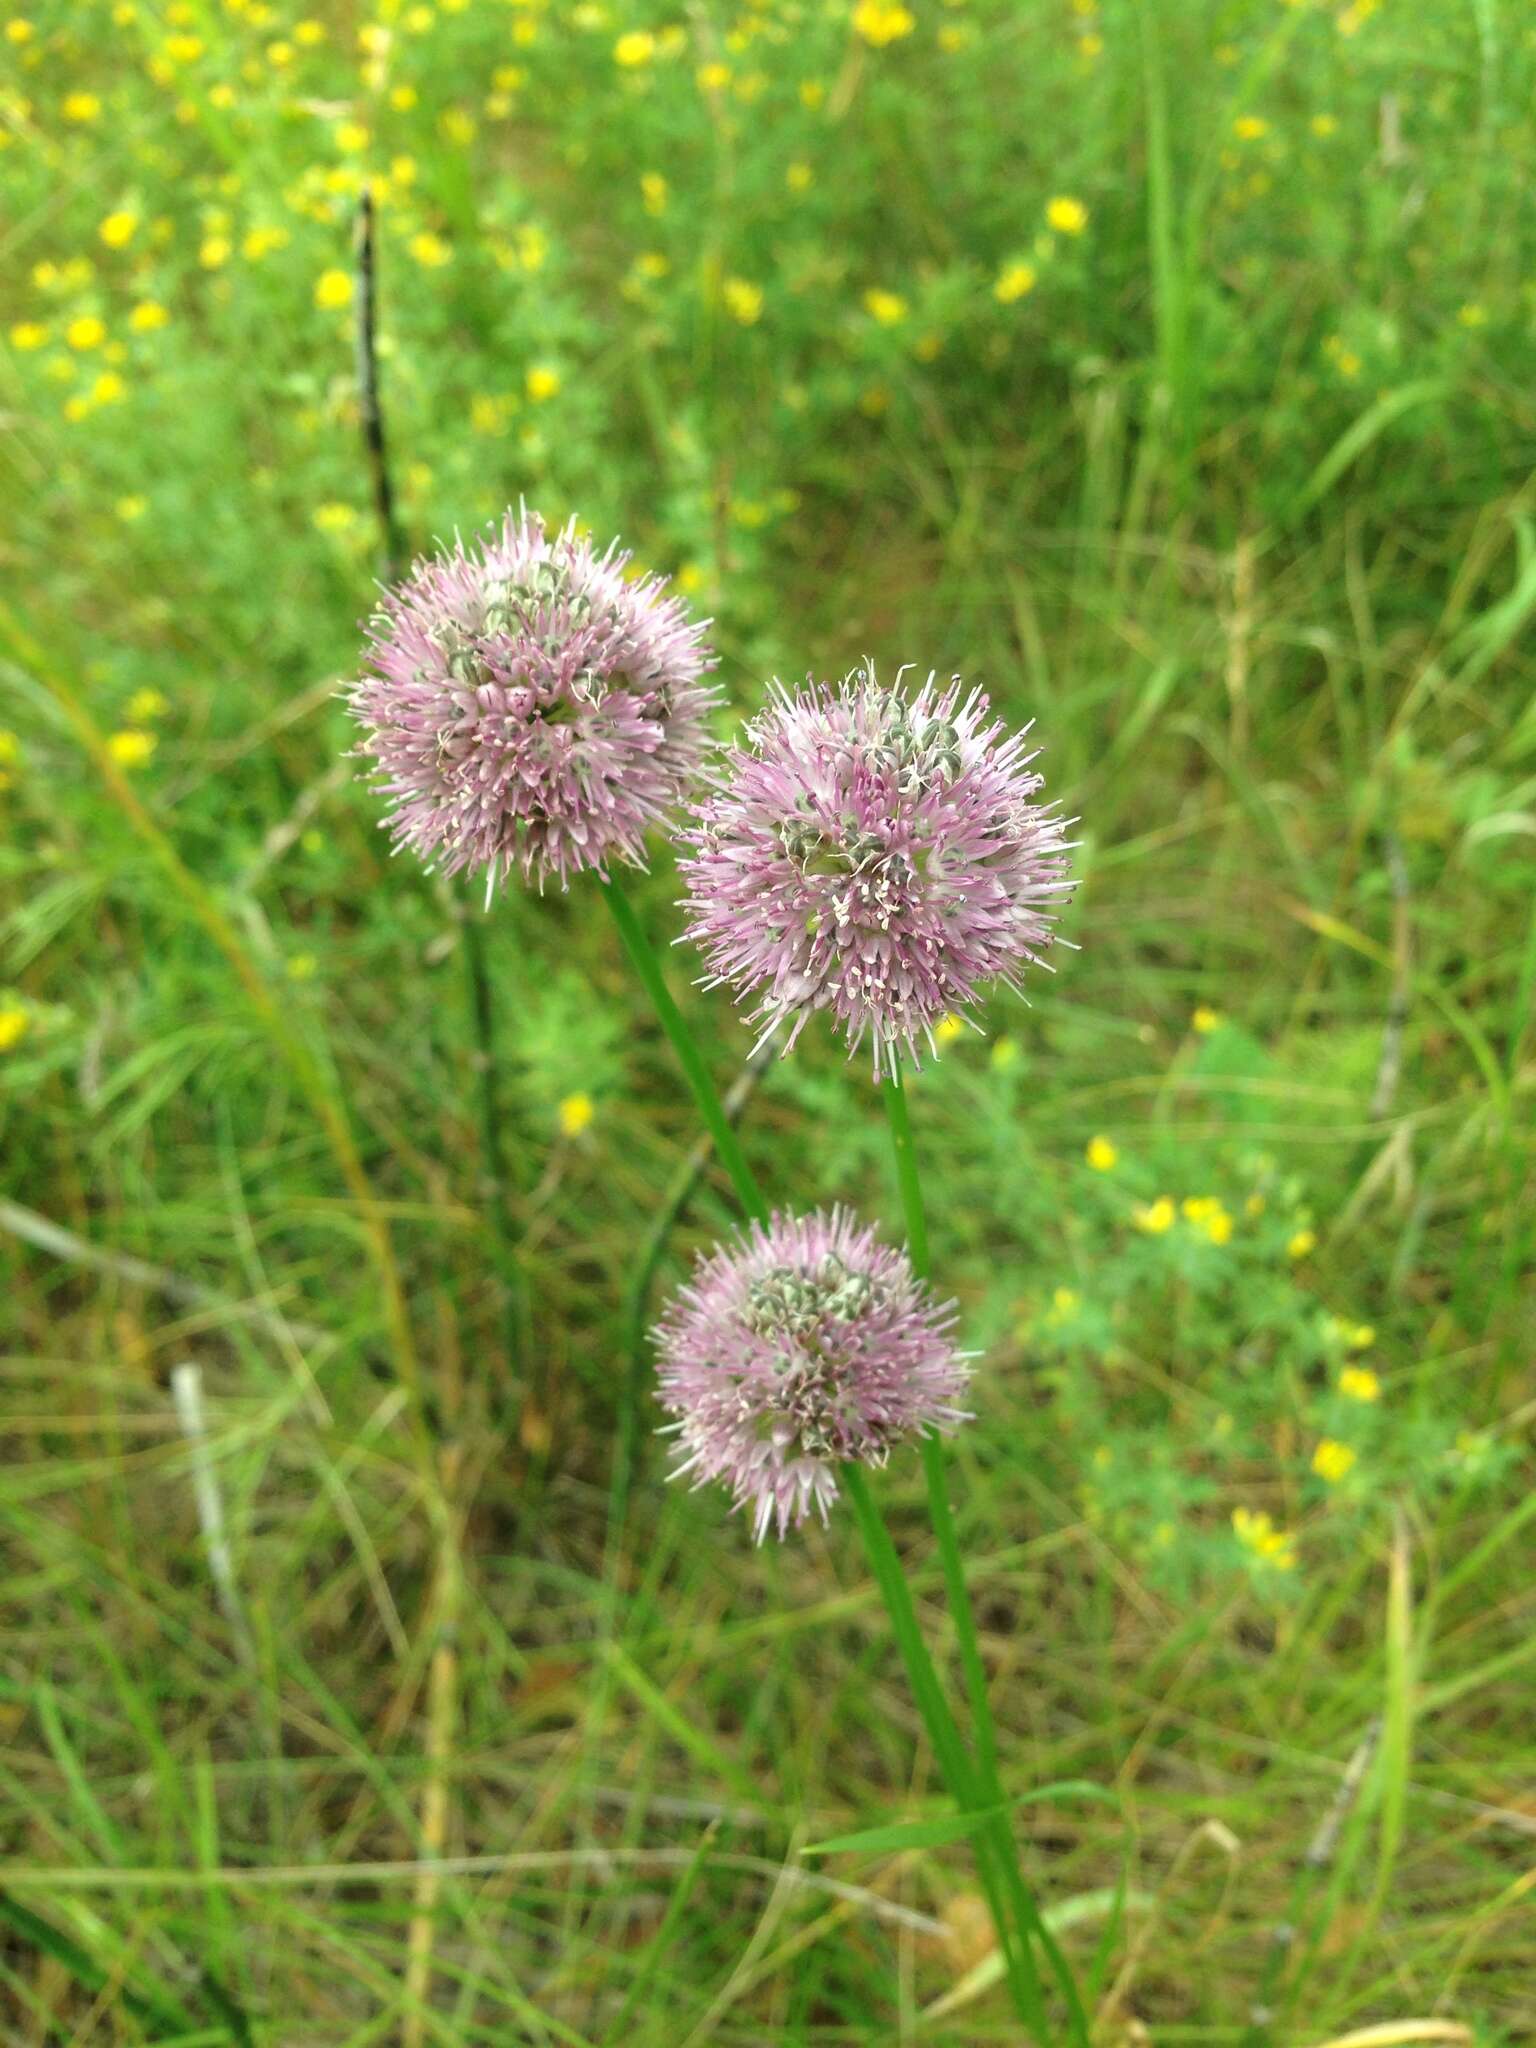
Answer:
x=351 y=137
x=947 y=1030
x=542 y=382
x=1332 y=1460
x=215 y=252
x=1005 y=1054
x=886 y=307
x=19 y=30
x=128 y=510
x=1067 y=216
x=334 y=517
x=634 y=49
x=575 y=1113
x=653 y=192
x=882 y=21
x=1301 y=1244
x=743 y=301
x=1206 y=1020
x=1014 y=281
x=713 y=77
x=108 y=389
x=1156 y=1218
x=183 y=49
x=403 y=97
x=799 y=177
x=1257 y=1533
x=10 y=748
x=1218 y=1227
x=131 y=749
x=1359 y=1383
x=430 y=250
x=1323 y=124
x=333 y=290
x=146 y=705
x=308 y=33
x=14 y=1024
x=1249 y=128
x=118 y=229
x=28 y=334
x=85 y=333
x=1102 y=1155
x=82 y=106
x=147 y=316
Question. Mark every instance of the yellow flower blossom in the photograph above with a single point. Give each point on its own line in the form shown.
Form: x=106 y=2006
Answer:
x=260 y=242
x=10 y=748
x=882 y=21
x=888 y=308
x=83 y=107
x=1066 y=215
x=147 y=316
x=352 y=138
x=131 y=749
x=1014 y=281
x=144 y=706
x=1154 y=1218
x=1323 y=125
x=333 y=290
x=1206 y=1020
x=19 y=30
x=634 y=49
x=1102 y=1155
x=1005 y=1054
x=1218 y=1227
x=334 y=517
x=575 y=1113
x=653 y=192
x=1257 y=1533
x=1249 y=128
x=403 y=97
x=308 y=33
x=430 y=250
x=119 y=229
x=713 y=77
x=1301 y=1244
x=183 y=49
x=128 y=510
x=743 y=301
x=1359 y=1383
x=799 y=177
x=14 y=1025
x=28 y=334
x=215 y=252
x=108 y=389
x=1332 y=1460
x=542 y=382
x=85 y=333
x=947 y=1030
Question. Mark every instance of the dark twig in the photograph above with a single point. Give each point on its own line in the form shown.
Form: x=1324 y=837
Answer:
x=496 y=1184
x=1390 y=1066
x=1320 y=1853
x=369 y=410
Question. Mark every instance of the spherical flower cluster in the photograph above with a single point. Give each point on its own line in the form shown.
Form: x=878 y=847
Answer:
x=525 y=705
x=809 y=1344
x=874 y=854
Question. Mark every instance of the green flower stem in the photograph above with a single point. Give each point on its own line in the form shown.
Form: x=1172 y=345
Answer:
x=727 y=1145
x=996 y=1863
x=984 y=1733
x=928 y=1691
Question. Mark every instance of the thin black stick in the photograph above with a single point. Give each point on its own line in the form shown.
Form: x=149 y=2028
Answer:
x=496 y=1182
x=369 y=409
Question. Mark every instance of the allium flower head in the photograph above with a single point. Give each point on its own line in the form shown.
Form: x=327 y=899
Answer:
x=875 y=854
x=524 y=704
x=808 y=1344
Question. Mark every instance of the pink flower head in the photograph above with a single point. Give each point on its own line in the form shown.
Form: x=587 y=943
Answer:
x=525 y=704
x=806 y=1345
x=873 y=854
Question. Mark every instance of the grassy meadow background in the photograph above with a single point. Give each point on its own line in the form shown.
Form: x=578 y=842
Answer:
x=1169 y=368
